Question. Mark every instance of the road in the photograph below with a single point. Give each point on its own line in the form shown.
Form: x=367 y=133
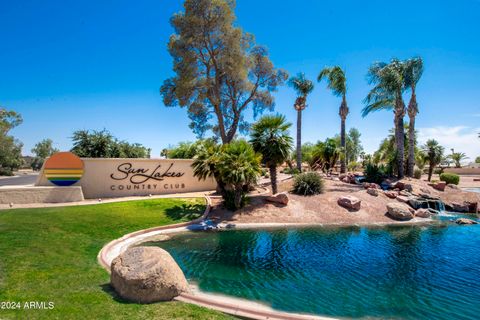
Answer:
x=20 y=180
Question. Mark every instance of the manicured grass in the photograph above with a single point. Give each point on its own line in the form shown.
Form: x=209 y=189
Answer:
x=50 y=255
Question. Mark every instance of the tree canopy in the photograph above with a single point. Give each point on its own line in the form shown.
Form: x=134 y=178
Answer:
x=10 y=148
x=219 y=70
x=102 y=144
x=41 y=151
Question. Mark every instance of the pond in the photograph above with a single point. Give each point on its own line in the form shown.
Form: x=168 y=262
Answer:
x=414 y=272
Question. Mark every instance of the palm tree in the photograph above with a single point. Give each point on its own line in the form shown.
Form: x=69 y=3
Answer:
x=387 y=95
x=270 y=138
x=413 y=73
x=433 y=154
x=205 y=165
x=337 y=82
x=458 y=157
x=238 y=167
x=303 y=87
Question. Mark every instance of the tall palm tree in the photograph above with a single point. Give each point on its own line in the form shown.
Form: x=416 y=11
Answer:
x=337 y=82
x=433 y=154
x=413 y=73
x=303 y=87
x=457 y=158
x=270 y=138
x=389 y=85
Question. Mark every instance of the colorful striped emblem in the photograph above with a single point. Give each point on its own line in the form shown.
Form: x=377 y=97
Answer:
x=63 y=169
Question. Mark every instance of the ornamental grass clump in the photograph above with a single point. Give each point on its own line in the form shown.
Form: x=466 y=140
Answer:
x=450 y=178
x=307 y=184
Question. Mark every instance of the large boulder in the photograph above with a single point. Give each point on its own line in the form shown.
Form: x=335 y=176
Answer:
x=146 y=275
x=399 y=211
x=440 y=186
x=350 y=202
x=281 y=198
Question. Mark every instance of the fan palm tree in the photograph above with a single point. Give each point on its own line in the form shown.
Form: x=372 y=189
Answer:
x=389 y=85
x=458 y=157
x=270 y=138
x=413 y=73
x=433 y=154
x=337 y=82
x=303 y=87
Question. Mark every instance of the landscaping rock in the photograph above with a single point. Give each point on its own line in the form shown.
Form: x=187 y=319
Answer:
x=458 y=207
x=281 y=198
x=372 y=192
x=408 y=187
x=465 y=221
x=350 y=202
x=440 y=186
x=368 y=185
x=399 y=211
x=403 y=199
x=423 y=213
x=405 y=193
x=390 y=194
x=147 y=274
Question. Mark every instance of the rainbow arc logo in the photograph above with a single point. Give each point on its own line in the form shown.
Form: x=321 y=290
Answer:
x=63 y=169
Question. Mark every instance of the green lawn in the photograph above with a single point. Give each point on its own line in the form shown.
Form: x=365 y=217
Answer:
x=50 y=255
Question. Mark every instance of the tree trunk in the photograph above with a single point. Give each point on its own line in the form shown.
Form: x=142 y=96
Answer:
x=430 y=171
x=411 y=146
x=273 y=178
x=343 y=160
x=238 y=195
x=400 y=134
x=299 y=140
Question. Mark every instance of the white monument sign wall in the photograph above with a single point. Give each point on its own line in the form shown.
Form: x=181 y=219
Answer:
x=104 y=178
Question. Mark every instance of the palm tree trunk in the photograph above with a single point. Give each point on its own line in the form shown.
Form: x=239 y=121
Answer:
x=343 y=160
x=430 y=171
x=299 y=139
x=273 y=178
x=411 y=146
x=400 y=134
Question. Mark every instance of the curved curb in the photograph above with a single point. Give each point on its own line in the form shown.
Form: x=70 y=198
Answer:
x=114 y=248
x=225 y=304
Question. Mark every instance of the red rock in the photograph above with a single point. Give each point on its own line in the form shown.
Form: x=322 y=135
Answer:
x=372 y=192
x=440 y=186
x=390 y=194
x=402 y=199
x=423 y=213
x=465 y=221
x=350 y=202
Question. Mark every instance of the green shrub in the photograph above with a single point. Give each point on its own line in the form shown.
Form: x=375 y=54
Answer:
x=308 y=183
x=417 y=173
x=450 y=178
x=291 y=171
x=438 y=171
x=374 y=173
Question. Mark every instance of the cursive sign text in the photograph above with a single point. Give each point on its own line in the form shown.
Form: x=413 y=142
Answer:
x=142 y=175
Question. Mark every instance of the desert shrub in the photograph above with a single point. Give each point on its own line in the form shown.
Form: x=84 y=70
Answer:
x=291 y=171
x=308 y=183
x=374 y=173
x=450 y=178
x=417 y=173
x=438 y=171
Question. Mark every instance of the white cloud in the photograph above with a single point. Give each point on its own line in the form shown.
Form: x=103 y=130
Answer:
x=461 y=138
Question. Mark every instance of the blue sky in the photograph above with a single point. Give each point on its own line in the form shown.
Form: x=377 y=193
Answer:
x=67 y=65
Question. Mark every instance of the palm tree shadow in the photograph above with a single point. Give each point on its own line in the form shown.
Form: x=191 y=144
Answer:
x=185 y=211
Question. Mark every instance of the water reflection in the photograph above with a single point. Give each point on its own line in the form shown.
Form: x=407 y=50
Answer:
x=398 y=272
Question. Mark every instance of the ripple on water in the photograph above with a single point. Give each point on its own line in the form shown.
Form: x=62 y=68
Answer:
x=395 y=272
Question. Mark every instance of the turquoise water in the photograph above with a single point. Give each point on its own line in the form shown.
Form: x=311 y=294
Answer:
x=396 y=272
